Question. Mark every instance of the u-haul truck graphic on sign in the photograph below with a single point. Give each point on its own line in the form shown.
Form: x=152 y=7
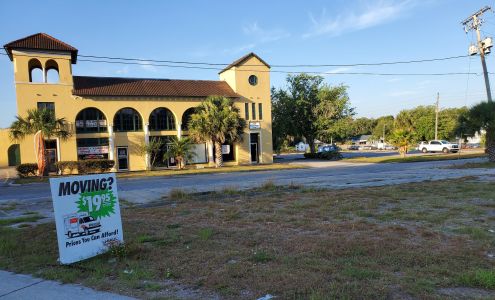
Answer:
x=87 y=215
x=80 y=224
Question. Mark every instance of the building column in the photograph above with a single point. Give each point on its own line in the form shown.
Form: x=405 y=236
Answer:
x=179 y=129
x=111 y=145
x=211 y=160
x=147 y=159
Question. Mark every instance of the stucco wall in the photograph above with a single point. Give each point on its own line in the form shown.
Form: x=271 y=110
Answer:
x=68 y=106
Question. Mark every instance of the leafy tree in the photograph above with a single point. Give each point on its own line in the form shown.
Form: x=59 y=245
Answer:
x=217 y=120
x=383 y=125
x=308 y=109
x=333 y=113
x=362 y=126
x=152 y=149
x=180 y=149
x=482 y=116
x=43 y=124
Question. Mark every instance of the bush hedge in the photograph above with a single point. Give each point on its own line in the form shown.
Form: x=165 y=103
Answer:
x=68 y=167
x=327 y=155
x=95 y=166
x=26 y=170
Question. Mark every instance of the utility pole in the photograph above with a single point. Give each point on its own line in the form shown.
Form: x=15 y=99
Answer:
x=436 y=116
x=474 y=23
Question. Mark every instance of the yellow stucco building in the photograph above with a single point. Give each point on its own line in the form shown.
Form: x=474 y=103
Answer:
x=110 y=117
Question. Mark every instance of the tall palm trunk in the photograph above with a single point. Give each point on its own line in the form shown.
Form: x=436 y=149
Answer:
x=490 y=144
x=218 y=154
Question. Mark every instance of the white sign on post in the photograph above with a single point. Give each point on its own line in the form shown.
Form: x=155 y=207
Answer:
x=87 y=215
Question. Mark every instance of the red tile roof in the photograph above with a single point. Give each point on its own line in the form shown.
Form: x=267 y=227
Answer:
x=243 y=59
x=115 y=86
x=41 y=41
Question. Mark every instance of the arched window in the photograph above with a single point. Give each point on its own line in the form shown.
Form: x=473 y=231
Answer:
x=162 y=119
x=35 y=71
x=51 y=69
x=127 y=119
x=14 y=155
x=91 y=120
x=186 y=117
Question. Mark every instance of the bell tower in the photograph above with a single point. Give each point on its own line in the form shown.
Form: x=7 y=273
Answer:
x=249 y=76
x=41 y=58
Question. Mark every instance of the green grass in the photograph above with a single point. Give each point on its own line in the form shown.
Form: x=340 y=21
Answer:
x=479 y=278
x=205 y=233
x=415 y=158
x=481 y=165
x=23 y=219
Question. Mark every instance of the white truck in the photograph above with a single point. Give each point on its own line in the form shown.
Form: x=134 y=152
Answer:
x=80 y=224
x=438 y=146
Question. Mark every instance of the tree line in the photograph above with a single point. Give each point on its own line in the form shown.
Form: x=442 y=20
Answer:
x=309 y=109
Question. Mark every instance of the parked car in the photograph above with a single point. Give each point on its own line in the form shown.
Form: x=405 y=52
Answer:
x=353 y=147
x=328 y=148
x=438 y=146
x=368 y=147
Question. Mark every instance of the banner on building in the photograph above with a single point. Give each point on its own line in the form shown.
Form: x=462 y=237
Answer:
x=87 y=215
x=92 y=150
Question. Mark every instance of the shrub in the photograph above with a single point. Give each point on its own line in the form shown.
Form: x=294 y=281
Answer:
x=26 y=170
x=95 y=166
x=67 y=165
x=327 y=155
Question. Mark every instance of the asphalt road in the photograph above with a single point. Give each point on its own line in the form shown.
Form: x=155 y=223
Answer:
x=325 y=174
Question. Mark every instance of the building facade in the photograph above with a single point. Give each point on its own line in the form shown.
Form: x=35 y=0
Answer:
x=112 y=117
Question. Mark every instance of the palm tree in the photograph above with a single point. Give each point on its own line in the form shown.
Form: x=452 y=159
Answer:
x=482 y=117
x=41 y=123
x=180 y=150
x=402 y=139
x=217 y=120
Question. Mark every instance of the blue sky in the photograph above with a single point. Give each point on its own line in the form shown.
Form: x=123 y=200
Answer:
x=281 y=32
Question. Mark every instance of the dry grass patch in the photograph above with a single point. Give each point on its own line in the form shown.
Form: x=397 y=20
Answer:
x=295 y=243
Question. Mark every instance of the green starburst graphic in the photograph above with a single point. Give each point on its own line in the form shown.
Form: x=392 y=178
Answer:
x=98 y=204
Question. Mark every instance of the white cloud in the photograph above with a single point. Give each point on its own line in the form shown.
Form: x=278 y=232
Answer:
x=240 y=49
x=263 y=35
x=122 y=71
x=338 y=70
x=146 y=65
x=257 y=35
x=374 y=14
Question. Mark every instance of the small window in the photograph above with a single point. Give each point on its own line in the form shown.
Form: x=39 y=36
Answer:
x=253 y=80
x=46 y=105
x=253 y=106
x=260 y=111
x=246 y=110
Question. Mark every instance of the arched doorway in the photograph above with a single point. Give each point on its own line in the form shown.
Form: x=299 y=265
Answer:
x=14 y=154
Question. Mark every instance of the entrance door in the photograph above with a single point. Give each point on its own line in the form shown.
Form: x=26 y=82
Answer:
x=255 y=147
x=14 y=154
x=51 y=155
x=123 y=157
x=171 y=160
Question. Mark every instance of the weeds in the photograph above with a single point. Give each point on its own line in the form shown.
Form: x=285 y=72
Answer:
x=480 y=278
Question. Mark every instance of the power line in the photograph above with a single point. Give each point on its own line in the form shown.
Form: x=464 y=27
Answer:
x=274 y=71
x=275 y=66
x=280 y=66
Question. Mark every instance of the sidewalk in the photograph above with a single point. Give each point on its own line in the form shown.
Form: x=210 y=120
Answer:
x=18 y=286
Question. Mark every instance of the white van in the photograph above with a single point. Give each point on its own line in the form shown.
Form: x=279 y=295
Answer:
x=80 y=224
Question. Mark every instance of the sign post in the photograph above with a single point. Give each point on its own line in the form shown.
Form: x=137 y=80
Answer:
x=87 y=215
